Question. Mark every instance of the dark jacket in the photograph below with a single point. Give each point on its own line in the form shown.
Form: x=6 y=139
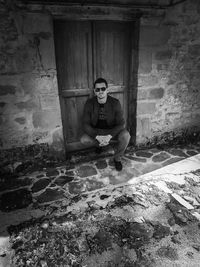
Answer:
x=114 y=117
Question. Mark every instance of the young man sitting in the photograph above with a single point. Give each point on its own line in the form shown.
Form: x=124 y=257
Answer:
x=103 y=121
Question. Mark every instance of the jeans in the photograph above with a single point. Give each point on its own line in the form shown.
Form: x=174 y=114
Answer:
x=122 y=140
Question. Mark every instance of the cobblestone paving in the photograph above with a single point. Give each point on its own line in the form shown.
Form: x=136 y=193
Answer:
x=73 y=178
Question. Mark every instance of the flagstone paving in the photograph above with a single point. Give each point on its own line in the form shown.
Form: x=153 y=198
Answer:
x=76 y=177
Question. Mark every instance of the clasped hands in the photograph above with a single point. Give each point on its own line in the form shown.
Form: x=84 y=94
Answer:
x=103 y=139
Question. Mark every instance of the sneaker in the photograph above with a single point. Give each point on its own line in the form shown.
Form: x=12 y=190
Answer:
x=118 y=165
x=98 y=150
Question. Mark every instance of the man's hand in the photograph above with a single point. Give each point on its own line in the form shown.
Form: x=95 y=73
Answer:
x=103 y=139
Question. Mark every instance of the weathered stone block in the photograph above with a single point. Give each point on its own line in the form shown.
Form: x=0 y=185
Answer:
x=156 y=93
x=86 y=171
x=142 y=94
x=49 y=101
x=7 y=89
x=27 y=105
x=194 y=50
x=143 y=127
x=34 y=83
x=17 y=199
x=172 y=115
x=154 y=36
x=160 y=157
x=50 y=195
x=10 y=182
x=23 y=60
x=163 y=55
x=36 y=23
x=145 y=108
x=162 y=67
x=47 y=119
x=77 y=187
x=136 y=158
x=192 y=152
x=10 y=111
x=40 y=184
x=93 y=184
x=44 y=35
x=15 y=137
x=39 y=136
x=172 y=160
x=17 y=58
x=101 y=164
x=146 y=81
x=12 y=81
x=69 y=173
x=21 y=120
x=171 y=17
x=64 y=179
x=58 y=140
x=7 y=26
x=47 y=52
x=145 y=154
x=145 y=61
x=150 y=21
x=177 y=152
x=2 y=104
x=52 y=172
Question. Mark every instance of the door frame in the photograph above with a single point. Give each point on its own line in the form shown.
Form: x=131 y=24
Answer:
x=92 y=13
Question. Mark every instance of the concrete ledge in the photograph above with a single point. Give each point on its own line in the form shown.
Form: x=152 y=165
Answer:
x=174 y=172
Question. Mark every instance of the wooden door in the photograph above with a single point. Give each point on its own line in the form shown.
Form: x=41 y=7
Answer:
x=111 y=57
x=85 y=51
x=74 y=67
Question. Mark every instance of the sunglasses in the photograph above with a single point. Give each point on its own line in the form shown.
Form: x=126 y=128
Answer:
x=100 y=89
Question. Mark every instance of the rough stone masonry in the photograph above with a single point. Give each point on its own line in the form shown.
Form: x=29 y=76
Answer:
x=168 y=97
x=168 y=85
x=29 y=102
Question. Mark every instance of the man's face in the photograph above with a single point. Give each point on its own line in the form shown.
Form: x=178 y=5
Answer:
x=100 y=90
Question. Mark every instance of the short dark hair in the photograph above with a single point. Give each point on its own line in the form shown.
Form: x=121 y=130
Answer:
x=101 y=80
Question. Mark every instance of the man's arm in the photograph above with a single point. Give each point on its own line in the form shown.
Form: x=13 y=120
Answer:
x=119 y=119
x=87 y=127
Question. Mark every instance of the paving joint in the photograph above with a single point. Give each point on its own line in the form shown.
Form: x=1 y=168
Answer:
x=91 y=175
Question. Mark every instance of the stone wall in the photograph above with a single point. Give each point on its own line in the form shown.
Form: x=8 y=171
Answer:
x=29 y=101
x=168 y=97
x=168 y=76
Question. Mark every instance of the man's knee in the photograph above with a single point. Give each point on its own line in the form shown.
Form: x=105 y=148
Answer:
x=86 y=139
x=124 y=136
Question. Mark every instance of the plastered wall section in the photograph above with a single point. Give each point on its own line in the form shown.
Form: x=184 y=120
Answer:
x=29 y=101
x=168 y=98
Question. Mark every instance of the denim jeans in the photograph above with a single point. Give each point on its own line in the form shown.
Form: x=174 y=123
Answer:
x=122 y=141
